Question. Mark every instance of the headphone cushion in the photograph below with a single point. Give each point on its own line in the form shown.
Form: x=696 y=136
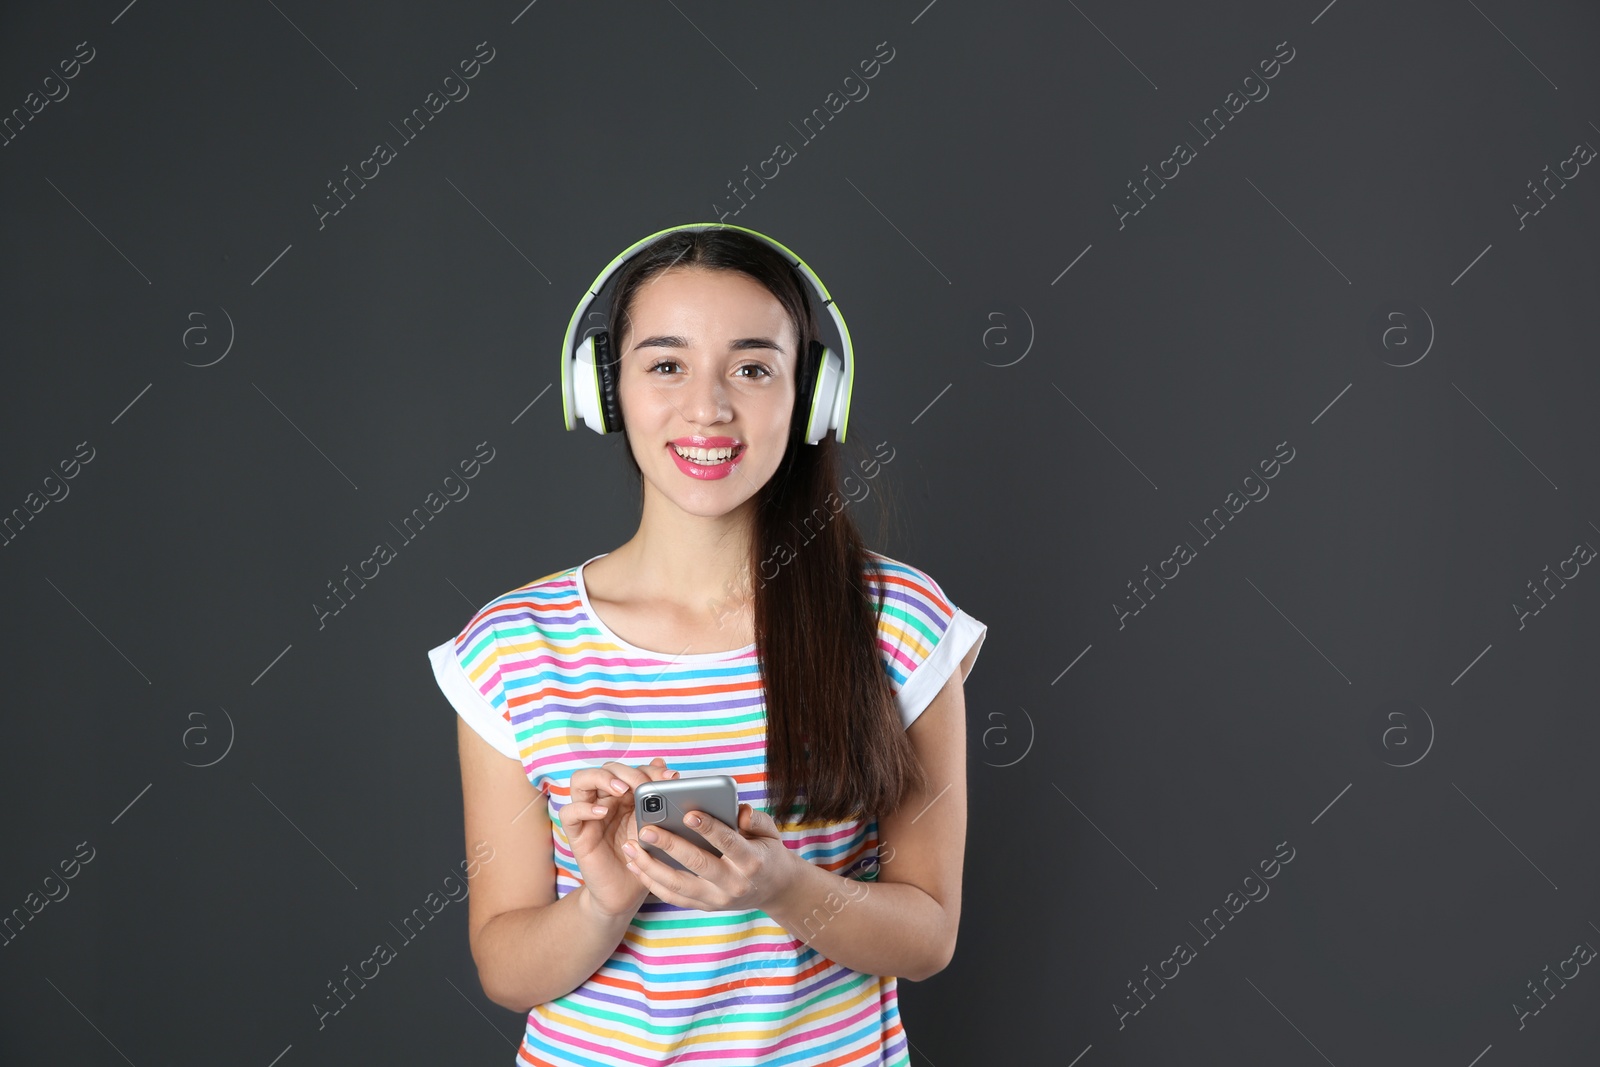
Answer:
x=805 y=384
x=606 y=372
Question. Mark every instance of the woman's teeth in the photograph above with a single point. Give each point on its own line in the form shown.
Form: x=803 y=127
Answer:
x=704 y=455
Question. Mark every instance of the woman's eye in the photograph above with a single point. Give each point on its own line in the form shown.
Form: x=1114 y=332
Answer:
x=762 y=372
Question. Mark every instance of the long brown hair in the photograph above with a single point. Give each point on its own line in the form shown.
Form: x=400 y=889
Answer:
x=836 y=747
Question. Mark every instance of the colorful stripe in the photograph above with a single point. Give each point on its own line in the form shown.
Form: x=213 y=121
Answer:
x=686 y=986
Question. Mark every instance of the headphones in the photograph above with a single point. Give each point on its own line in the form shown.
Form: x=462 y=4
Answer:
x=589 y=369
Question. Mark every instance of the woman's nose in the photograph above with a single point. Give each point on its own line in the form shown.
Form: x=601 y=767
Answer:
x=707 y=400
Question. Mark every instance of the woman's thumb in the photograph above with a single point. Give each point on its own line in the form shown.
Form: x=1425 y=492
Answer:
x=760 y=822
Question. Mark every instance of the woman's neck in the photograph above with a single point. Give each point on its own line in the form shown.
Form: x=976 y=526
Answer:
x=687 y=559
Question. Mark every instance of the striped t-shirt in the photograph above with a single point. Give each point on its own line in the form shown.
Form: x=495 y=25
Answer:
x=543 y=680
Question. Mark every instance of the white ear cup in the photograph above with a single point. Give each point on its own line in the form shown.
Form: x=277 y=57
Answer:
x=585 y=382
x=826 y=404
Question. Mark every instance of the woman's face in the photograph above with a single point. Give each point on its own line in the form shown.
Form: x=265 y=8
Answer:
x=707 y=365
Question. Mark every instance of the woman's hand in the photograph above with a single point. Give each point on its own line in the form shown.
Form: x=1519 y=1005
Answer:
x=755 y=867
x=597 y=819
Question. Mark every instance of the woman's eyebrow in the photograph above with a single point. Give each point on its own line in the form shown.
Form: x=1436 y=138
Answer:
x=675 y=341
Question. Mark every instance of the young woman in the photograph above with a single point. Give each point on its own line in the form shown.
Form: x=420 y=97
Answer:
x=745 y=630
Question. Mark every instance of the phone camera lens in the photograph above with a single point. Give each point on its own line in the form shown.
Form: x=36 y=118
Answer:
x=652 y=803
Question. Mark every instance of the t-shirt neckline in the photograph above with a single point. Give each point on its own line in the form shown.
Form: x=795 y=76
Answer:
x=606 y=632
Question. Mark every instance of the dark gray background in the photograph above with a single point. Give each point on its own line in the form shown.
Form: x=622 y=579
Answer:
x=1360 y=616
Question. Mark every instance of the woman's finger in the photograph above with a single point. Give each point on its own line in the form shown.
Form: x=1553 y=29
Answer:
x=692 y=856
x=578 y=811
x=603 y=780
x=584 y=786
x=728 y=840
x=630 y=776
x=666 y=882
x=659 y=770
x=597 y=793
x=590 y=783
x=599 y=809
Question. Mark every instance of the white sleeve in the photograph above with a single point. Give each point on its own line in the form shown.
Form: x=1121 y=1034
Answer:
x=469 y=703
x=925 y=682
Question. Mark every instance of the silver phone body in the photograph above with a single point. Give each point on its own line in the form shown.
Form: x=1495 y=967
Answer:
x=715 y=794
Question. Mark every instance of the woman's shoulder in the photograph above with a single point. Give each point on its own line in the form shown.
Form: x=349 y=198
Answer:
x=894 y=581
x=922 y=635
x=529 y=605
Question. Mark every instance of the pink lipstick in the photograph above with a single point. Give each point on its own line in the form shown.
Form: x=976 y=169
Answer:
x=709 y=458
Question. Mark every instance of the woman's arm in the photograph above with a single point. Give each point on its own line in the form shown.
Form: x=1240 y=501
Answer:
x=535 y=955
x=904 y=924
x=529 y=947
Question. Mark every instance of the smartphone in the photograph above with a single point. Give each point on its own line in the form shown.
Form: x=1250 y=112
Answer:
x=665 y=803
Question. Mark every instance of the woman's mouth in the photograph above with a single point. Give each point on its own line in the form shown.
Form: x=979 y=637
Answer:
x=707 y=464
